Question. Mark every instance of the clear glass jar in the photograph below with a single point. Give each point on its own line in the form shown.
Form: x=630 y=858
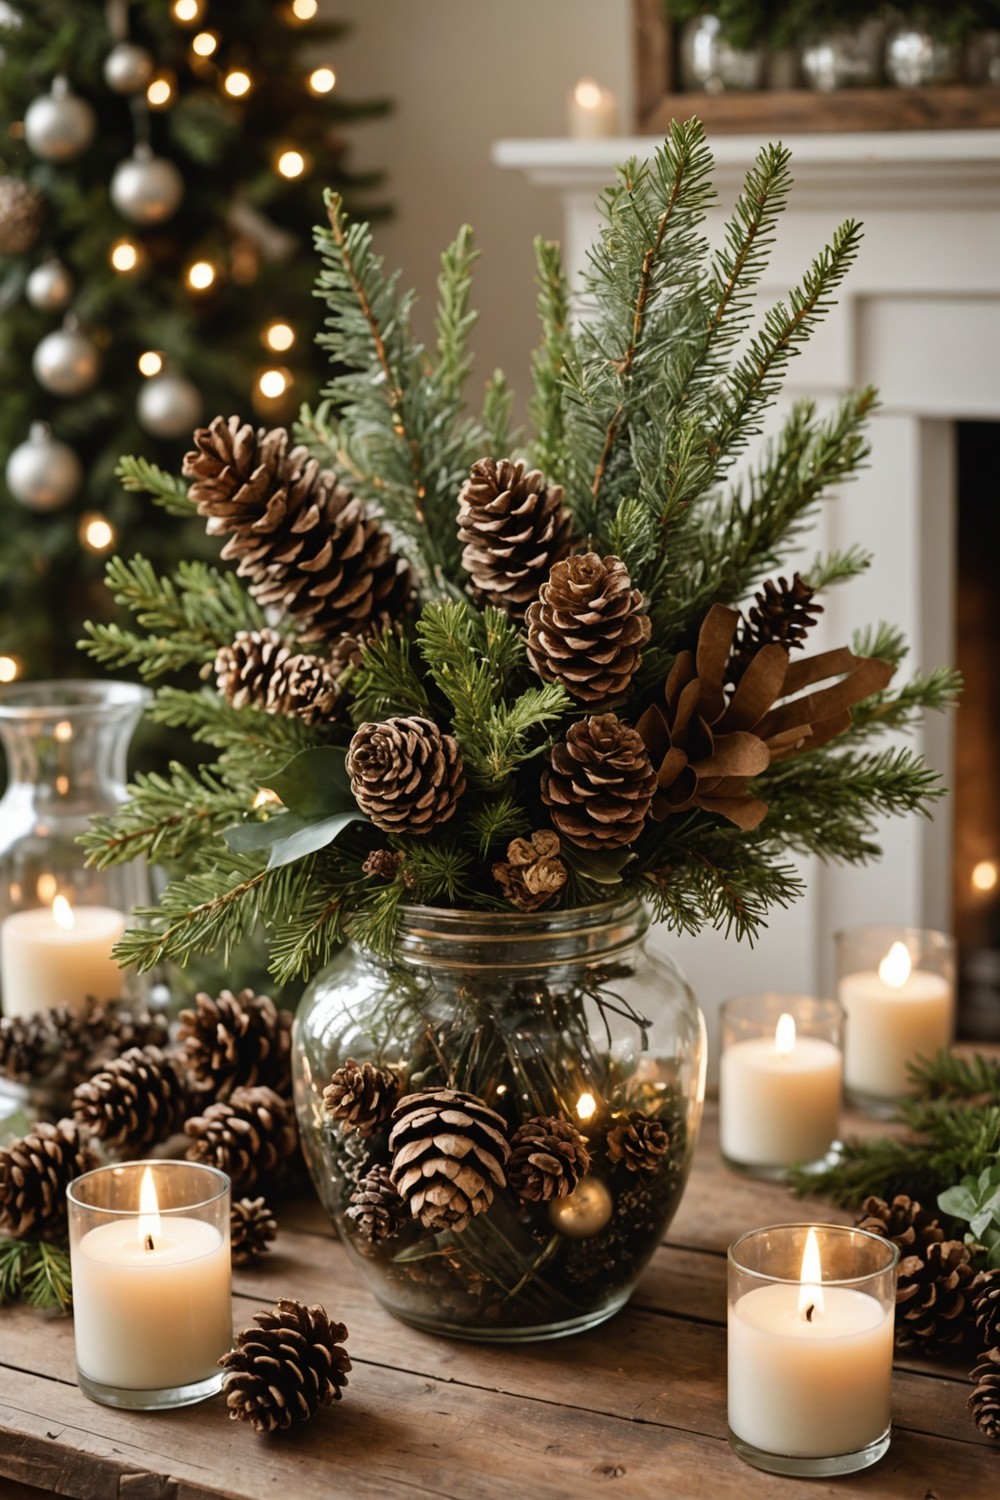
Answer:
x=563 y=1015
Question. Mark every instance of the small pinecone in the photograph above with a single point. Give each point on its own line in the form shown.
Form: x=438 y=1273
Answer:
x=237 y=1041
x=21 y=1046
x=932 y=1295
x=306 y=687
x=406 y=775
x=252 y=1226
x=361 y=1097
x=135 y=1101
x=638 y=1142
x=284 y=1369
x=532 y=872
x=910 y=1227
x=986 y=1306
x=548 y=1156
x=244 y=670
x=448 y=1154
x=783 y=615
x=22 y=210
x=586 y=628
x=601 y=783
x=249 y=1136
x=376 y=1209
x=35 y=1172
x=384 y=863
x=106 y=1031
x=984 y=1403
x=513 y=529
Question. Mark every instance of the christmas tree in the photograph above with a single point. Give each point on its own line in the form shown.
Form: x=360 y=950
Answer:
x=162 y=169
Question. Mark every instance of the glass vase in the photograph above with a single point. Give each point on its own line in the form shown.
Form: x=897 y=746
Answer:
x=562 y=1017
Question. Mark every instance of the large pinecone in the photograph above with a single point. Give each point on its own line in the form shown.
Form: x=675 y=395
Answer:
x=360 y=1096
x=934 y=1286
x=449 y=1151
x=600 y=785
x=406 y=775
x=252 y=1226
x=984 y=1403
x=782 y=615
x=134 y=1102
x=35 y=1172
x=284 y=1369
x=301 y=537
x=986 y=1307
x=234 y=1041
x=910 y=1227
x=587 y=627
x=249 y=1136
x=548 y=1156
x=639 y=1142
x=376 y=1209
x=513 y=529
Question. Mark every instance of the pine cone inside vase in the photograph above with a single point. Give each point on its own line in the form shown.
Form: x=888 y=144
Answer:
x=35 y=1172
x=513 y=528
x=281 y=1371
x=449 y=1151
x=984 y=1403
x=360 y=1096
x=135 y=1101
x=548 y=1156
x=587 y=628
x=405 y=774
x=376 y=1210
x=252 y=1226
x=250 y=1136
x=532 y=873
x=599 y=784
x=233 y=1041
x=783 y=614
x=639 y=1142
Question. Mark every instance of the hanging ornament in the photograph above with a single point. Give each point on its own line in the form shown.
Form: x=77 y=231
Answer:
x=59 y=125
x=49 y=286
x=584 y=1212
x=127 y=68
x=146 y=189
x=22 y=209
x=169 y=405
x=66 y=362
x=43 y=473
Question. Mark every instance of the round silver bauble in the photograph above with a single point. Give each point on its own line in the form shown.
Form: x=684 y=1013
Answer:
x=127 y=68
x=66 y=362
x=49 y=286
x=169 y=405
x=146 y=189
x=60 y=125
x=43 y=473
x=915 y=58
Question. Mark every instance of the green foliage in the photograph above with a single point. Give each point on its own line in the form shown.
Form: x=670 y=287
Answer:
x=976 y=1201
x=36 y=1272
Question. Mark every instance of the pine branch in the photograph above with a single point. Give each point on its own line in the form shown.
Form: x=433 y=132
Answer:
x=139 y=476
x=701 y=875
x=454 y=319
x=547 y=408
x=497 y=821
x=938 y=691
x=255 y=744
x=209 y=910
x=962 y=1078
x=385 y=683
x=830 y=568
x=165 y=818
x=36 y=1272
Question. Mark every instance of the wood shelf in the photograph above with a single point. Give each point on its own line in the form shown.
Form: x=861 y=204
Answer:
x=804 y=110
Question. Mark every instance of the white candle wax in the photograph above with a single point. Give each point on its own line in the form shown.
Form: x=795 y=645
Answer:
x=43 y=965
x=592 y=111
x=809 y=1388
x=888 y=1026
x=777 y=1107
x=151 y=1319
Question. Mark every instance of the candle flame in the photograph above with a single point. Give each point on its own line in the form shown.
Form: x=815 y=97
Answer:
x=784 y=1035
x=586 y=1106
x=149 y=1211
x=894 y=970
x=587 y=93
x=62 y=914
x=811 y=1278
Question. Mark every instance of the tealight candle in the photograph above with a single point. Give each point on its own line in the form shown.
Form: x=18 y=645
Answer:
x=59 y=955
x=592 y=111
x=811 y=1312
x=152 y=1310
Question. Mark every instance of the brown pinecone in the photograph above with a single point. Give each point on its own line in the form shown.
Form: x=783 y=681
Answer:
x=106 y=1031
x=244 y=670
x=783 y=615
x=376 y=1209
x=252 y=1226
x=984 y=1403
x=532 y=872
x=133 y=1102
x=910 y=1227
x=249 y=1136
x=601 y=784
x=284 y=1369
x=548 y=1156
x=513 y=528
x=360 y=1096
x=986 y=1307
x=306 y=687
x=236 y=1041
x=406 y=775
x=21 y=1045
x=932 y=1295
x=35 y=1172
x=384 y=863
x=586 y=628
x=301 y=537
x=638 y=1142
x=448 y=1154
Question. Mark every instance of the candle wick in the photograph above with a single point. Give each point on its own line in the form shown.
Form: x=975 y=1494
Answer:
x=149 y=1242
x=809 y=1312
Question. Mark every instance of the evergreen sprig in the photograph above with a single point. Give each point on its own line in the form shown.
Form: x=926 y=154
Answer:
x=36 y=1272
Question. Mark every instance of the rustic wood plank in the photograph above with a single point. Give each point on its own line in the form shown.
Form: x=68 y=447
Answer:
x=775 y=112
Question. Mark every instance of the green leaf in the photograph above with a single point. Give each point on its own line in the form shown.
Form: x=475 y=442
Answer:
x=604 y=866
x=289 y=836
x=315 y=783
x=959 y=1201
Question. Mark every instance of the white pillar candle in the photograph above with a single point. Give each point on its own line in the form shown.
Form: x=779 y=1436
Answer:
x=779 y=1098
x=59 y=955
x=592 y=111
x=893 y=1016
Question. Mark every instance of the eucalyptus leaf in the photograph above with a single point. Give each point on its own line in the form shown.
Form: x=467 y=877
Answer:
x=315 y=783
x=604 y=866
x=289 y=836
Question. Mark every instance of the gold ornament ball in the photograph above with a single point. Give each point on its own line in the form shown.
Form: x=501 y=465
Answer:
x=585 y=1212
x=22 y=209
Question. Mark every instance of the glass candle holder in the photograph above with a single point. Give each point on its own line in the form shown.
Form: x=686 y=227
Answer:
x=780 y=1078
x=152 y=1300
x=897 y=987
x=811 y=1312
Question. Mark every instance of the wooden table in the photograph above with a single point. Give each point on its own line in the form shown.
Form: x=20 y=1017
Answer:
x=635 y=1409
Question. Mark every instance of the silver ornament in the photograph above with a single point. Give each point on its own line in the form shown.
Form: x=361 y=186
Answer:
x=66 y=362
x=915 y=58
x=43 y=473
x=169 y=405
x=127 y=68
x=146 y=189
x=49 y=286
x=58 y=126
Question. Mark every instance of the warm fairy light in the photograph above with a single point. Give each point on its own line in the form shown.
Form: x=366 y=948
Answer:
x=279 y=337
x=124 y=256
x=46 y=885
x=96 y=532
x=150 y=363
x=159 y=92
x=62 y=784
x=148 y=1228
x=811 y=1278
x=291 y=163
x=187 y=11
x=63 y=732
x=784 y=1035
x=304 y=10
x=322 y=80
x=200 y=275
x=273 y=383
x=586 y=1106
x=985 y=875
x=62 y=914
x=9 y=668
x=237 y=83
x=894 y=970
x=587 y=93
x=204 y=44
x=265 y=798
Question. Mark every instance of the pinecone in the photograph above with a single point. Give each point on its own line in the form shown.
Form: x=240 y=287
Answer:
x=249 y=1136
x=237 y=1041
x=586 y=628
x=548 y=1156
x=251 y=1226
x=376 y=1209
x=601 y=784
x=244 y=669
x=986 y=1307
x=22 y=210
x=638 y=1142
x=106 y=1031
x=35 y=1172
x=360 y=1097
x=406 y=775
x=134 y=1102
x=513 y=529
x=910 y=1227
x=61 y=1042
x=932 y=1295
x=284 y=1369
x=300 y=536
x=448 y=1154
x=21 y=1045
x=385 y=863
x=532 y=872
x=783 y=616
x=306 y=687
x=984 y=1403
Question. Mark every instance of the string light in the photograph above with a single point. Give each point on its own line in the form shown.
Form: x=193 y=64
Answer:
x=304 y=10
x=187 y=12
x=322 y=80
x=291 y=164
x=160 y=92
x=10 y=668
x=279 y=336
x=201 y=275
x=150 y=363
x=273 y=384
x=985 y=875
x=124 y=256
x=237 y=83
x=96 y=533
x=204 y=44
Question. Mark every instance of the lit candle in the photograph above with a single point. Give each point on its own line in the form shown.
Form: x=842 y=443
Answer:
x=893 y=1016
x=592 y=111
x=59 y=955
